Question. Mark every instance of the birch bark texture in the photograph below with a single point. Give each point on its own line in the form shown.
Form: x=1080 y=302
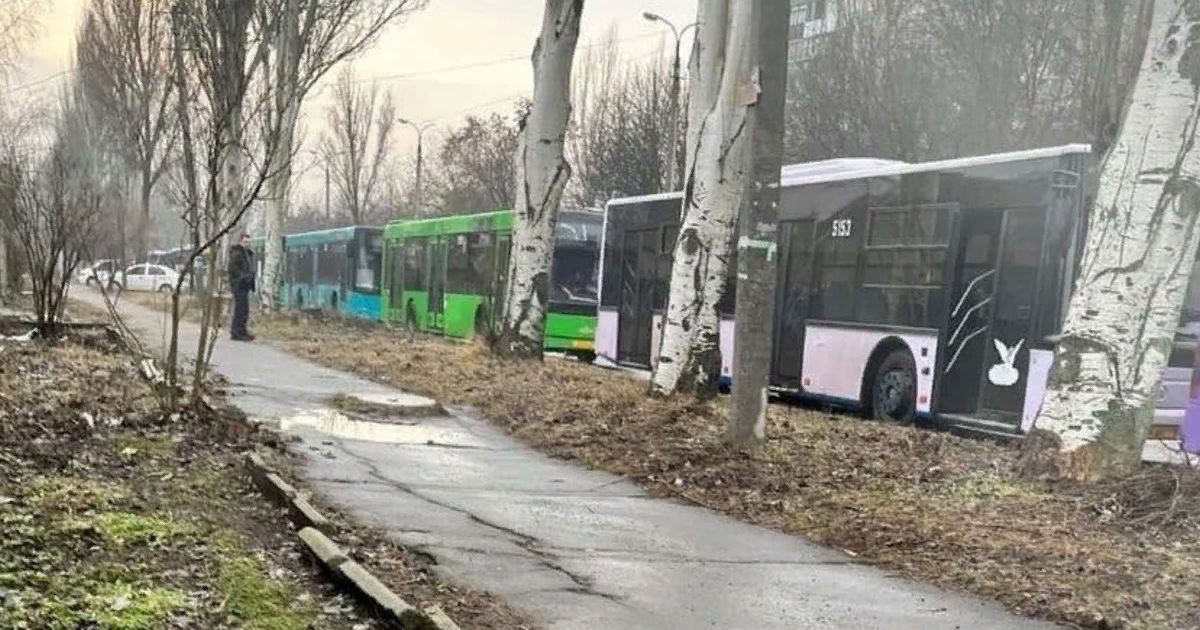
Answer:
x=286 y=105
x=722 y=91
x=541 y=176
x=1141 y=242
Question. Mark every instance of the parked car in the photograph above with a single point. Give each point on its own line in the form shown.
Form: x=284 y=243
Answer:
x=146 y=277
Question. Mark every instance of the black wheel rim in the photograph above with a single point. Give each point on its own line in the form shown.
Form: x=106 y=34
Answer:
x=894 y=394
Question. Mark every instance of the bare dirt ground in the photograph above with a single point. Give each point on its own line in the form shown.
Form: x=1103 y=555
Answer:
x=117 y=516
x=931 y=506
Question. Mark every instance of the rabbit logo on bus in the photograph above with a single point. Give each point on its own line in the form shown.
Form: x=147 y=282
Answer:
x=1005 y=373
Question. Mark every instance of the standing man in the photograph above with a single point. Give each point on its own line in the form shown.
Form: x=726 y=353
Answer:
x=241 y=282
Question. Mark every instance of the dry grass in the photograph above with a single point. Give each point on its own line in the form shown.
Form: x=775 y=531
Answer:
x=932 y=506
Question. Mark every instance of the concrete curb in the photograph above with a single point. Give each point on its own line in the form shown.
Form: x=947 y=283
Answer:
x=364 y=584
x=282 y=493
x=314 y=528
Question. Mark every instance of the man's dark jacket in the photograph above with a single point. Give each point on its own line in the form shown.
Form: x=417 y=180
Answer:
x=241 y=268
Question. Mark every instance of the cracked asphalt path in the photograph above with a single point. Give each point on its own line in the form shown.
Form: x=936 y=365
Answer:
x=579 y=548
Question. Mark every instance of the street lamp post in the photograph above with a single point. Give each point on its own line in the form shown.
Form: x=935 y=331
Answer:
x=420 y=129
x=676 y=78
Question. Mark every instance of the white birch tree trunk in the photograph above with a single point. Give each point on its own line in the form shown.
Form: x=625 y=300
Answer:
x=542 y=174
x=717 y=169
x=286 y=104
x=1141 y=242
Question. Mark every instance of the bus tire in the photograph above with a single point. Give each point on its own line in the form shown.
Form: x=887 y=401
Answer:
x=588 y=357
x=894 y=388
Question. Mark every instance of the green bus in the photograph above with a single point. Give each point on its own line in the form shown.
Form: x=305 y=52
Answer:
x=447 y=276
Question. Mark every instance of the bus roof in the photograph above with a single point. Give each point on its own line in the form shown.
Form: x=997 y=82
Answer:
x=454 y=224
x=788 y=180
x=466 y=223
x=325 y=236
x=844 y=169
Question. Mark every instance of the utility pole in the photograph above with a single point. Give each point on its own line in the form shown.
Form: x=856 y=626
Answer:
x=757 y=251
x=676 y=79
x=420 y=129
x=327 y=188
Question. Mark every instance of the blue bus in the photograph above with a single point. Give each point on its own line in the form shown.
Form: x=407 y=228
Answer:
x=336 y=270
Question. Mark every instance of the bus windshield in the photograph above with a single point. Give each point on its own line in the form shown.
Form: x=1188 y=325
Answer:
x=576 y=258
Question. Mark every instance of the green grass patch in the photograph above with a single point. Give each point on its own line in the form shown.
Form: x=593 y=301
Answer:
x=73 y=602
x=124 y=607
x=74 y=494
x=261 y=602
x=126 y=528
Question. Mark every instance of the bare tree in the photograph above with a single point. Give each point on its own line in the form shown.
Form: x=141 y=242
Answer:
x=54 y=207
x=929 y=79
x=308 y=38
x=723 y=88
x=476 y=169
x=542 y=174
x=18 y=24
x=1142 y=241
x=123 y=52
x=358 y=144
x=232 y=143
x=620 y=140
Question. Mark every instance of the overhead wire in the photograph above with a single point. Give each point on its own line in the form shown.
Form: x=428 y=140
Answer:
x=37 y=82
x=497 y=62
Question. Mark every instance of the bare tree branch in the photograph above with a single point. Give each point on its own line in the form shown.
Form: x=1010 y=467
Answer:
x=358 y=144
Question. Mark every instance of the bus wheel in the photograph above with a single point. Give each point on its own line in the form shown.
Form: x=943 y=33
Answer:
x=586 y=356
x=894 y=388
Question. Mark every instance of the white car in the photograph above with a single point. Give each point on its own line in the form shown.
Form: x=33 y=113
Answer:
x=146 y=277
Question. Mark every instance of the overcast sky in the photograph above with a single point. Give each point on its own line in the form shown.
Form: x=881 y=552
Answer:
x=421 y=58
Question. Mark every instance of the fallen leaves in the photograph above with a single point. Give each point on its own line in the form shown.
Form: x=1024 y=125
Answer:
x=933 y=506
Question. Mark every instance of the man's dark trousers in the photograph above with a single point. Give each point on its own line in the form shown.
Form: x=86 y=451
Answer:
x=241 y=312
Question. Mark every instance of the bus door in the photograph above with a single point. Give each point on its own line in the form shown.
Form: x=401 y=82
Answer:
x=435 y=317
x=395 y=278
x=990 y=314
x=791 y=300
x=635 y=310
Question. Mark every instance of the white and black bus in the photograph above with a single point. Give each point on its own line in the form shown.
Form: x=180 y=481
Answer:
x=905 y=290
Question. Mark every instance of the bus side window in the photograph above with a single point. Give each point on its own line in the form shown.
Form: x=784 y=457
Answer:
x=458 y=264
x=480 y=253
x=835 y=270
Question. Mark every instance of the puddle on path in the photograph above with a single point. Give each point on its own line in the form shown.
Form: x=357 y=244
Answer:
x=337 y=424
